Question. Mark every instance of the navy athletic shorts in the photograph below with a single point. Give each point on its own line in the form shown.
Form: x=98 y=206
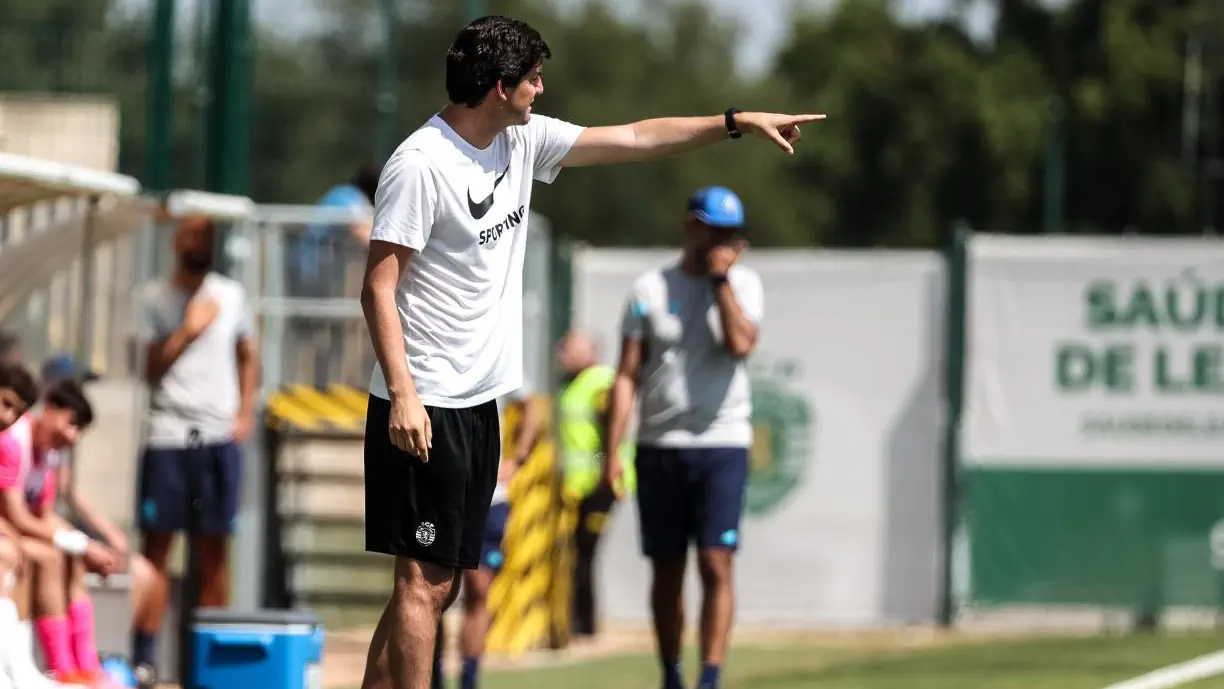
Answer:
x=163 y=500
x=492 y=555
x=690 y=495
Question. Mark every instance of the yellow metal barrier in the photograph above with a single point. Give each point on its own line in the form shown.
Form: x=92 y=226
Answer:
x=521 y=598
x=336 y=409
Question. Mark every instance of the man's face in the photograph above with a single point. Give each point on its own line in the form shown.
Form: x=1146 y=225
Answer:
x=705 y=237
x=574 y=353
x=519 y=99
x=193 y=242
x=57 y=429
x=11 y=407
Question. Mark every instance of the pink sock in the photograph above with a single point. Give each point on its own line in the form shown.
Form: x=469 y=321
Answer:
x=84 y=645
x=56 y=643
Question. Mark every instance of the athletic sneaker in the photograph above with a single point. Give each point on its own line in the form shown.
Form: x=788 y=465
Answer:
x=146 y=676
x=20 y=670
x=31 y=678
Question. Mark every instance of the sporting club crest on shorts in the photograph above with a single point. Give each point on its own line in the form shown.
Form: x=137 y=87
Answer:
x=426 y=533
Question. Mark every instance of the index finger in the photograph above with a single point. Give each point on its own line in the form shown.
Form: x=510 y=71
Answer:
x=800 y=119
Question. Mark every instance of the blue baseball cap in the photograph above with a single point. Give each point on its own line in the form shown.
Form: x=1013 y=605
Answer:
x=64 y=367
x=717 y=207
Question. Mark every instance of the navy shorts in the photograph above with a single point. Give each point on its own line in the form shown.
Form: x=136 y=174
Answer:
x=491 y=554
x=690 y=495
x=163 y=499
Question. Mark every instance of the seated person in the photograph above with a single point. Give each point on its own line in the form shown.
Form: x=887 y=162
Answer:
x=145 y=582
x=18 y=392
x=55 y=554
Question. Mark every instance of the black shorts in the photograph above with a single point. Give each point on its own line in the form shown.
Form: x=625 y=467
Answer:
x=432 y=511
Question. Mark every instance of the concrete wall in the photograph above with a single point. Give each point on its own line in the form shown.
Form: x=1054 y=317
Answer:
x=75 y=130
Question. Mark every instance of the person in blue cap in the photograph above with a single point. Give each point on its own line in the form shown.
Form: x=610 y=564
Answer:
x=64 y=367
x=686 y=332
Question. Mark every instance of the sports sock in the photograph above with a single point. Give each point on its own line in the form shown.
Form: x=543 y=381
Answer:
x=711 y=676
x=470 y=674
x=84 y=644
x=144 y=648
x=673 y=674
x=56 y=639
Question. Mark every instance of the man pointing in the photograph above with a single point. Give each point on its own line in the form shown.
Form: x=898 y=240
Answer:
x=443 y=300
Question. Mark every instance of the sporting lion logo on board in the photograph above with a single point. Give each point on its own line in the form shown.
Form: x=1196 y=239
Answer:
x=782 y=422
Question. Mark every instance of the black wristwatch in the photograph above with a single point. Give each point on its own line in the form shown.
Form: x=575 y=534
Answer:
x=732 y=128
x=718 y=280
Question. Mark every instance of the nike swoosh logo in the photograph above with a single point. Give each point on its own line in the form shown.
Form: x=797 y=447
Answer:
x=479 y=208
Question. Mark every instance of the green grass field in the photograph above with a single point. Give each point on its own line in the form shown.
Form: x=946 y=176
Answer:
x=1080 y=663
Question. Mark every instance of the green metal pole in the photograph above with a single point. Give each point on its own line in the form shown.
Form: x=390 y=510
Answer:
x=202 y=96
x=475 y=9
x=229 y=124
x=1055 y=168
x=160 y=98
x=387 y=104
x=954 y=385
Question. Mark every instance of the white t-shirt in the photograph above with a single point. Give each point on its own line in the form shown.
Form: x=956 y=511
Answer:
x=201 y=388
x=692 y=392
x=464 y=211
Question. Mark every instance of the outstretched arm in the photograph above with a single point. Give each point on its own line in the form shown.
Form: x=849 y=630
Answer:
x=656 y=138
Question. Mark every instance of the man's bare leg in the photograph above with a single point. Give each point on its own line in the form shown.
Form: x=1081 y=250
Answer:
x=402 y=648
x=717 y=568
x=148 y=617
x=476 y=619
x=214 y=571
x=667 y=606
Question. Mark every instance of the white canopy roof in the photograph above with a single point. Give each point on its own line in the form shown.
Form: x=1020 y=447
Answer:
x=25 y=180
x=219 y=206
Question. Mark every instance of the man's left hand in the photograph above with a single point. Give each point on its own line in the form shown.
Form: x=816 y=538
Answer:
x=783 y=130
x=243 y=425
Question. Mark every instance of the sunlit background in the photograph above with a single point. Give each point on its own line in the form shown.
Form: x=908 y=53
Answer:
x=989 y=449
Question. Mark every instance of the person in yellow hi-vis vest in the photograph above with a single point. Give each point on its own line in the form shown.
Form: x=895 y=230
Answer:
x=582 y=405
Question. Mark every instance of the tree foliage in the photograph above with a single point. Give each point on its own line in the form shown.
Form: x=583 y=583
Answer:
x=927 y=124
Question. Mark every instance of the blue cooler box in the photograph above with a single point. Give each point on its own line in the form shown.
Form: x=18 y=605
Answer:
x=263 y=649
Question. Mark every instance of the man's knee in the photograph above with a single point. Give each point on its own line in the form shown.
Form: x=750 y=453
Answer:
x=716 y=566
x=214 y=550
x=423 y=584
x=10 y=554
x=476 y=589
x=144 y=576
x=157 y=549
x=669 y=572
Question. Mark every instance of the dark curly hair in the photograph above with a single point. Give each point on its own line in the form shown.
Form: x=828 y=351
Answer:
x=19 y=380
x=67 y=394
x=489 y=51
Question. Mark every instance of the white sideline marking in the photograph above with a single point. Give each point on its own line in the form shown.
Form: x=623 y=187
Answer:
x=1176 y=675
